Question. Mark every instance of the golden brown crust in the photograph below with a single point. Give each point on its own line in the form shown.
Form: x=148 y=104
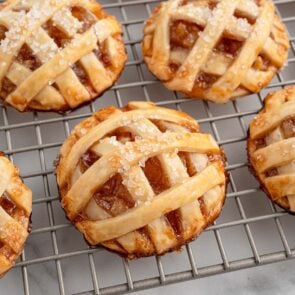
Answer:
x=215 y=52
x=280 y=202
x=74 y=54
x=270 y=147
x=130 y=211
x=15 y=214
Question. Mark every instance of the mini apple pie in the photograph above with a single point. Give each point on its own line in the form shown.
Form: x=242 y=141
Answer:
x=215 y=50
x=141 y=180
x=57 y=54
x=15 y=213
x=271 y=147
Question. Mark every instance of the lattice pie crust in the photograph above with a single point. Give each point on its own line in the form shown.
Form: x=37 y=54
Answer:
x=57 y=54
x=215 y=50
x=141 y=180
x=271 y=147
x=15 y=212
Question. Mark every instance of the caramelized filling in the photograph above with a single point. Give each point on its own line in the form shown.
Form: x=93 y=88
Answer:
x=59 y=36
x=87 y=160
x=183 y=34
x=184 y=156
x=159 y=183
x=244 y=16
x=205 y=80
x=19 y=9
x=163 y=128
x=83 y=78
x=260 y=143
x=6 y=88
x=3 y=31
x=159 y=125
x=173 y=67
x=271 y=172
x=155 y=175
x=86 y=18
x=272 y=36
x=102 y=55
x=26 y=57
x=113 y=197
x=202 y=205
x=122 y=134
x=261 y=63
x=229 y=46
x=174 y=219
x=11 y=209
x=144 y=231
x=259 y=2
x=7 y=205
x=288 y=127
x=212 y=4
x=216 y=157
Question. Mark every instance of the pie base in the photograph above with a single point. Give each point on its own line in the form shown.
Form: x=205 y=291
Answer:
x=275 y=139
x=15 y=215
x=145 y=243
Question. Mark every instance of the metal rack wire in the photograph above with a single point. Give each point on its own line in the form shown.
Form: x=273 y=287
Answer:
x=32 y=141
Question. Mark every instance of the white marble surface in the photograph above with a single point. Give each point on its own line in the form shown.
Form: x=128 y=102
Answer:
x=271 y=279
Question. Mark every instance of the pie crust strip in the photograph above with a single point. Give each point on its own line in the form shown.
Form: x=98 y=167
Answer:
x=11 y=183
x=12 y=233
x=161 y=52
x=108 y=165
x=5 y=177
x=241 y=30
x=160 y=231
x=173 y=169
x=47 y=96
x=49 y=71
x=165 y=202
x=224 y=86
x=186 y=74
x=23 y=28
x=274 y=155
x=68 y=79
x=113 y=122
x=269 y=120
x=200 y=15
x=176 y=173
x=95 y=70
x=77 y=49
x=43 y=46
x=280 y=185
x=289 y=168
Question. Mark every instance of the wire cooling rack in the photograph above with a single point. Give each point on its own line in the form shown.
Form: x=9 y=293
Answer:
x=251 y=231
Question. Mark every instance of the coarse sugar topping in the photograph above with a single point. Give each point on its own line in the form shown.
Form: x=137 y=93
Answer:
x=129 y=152
x=26 y=22
x=65 y=19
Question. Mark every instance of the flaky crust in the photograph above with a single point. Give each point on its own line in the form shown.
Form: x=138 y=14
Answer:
x=15 y=213
x=201 y=48
x=270 y=147
x=142 y=229
x=57 y=55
